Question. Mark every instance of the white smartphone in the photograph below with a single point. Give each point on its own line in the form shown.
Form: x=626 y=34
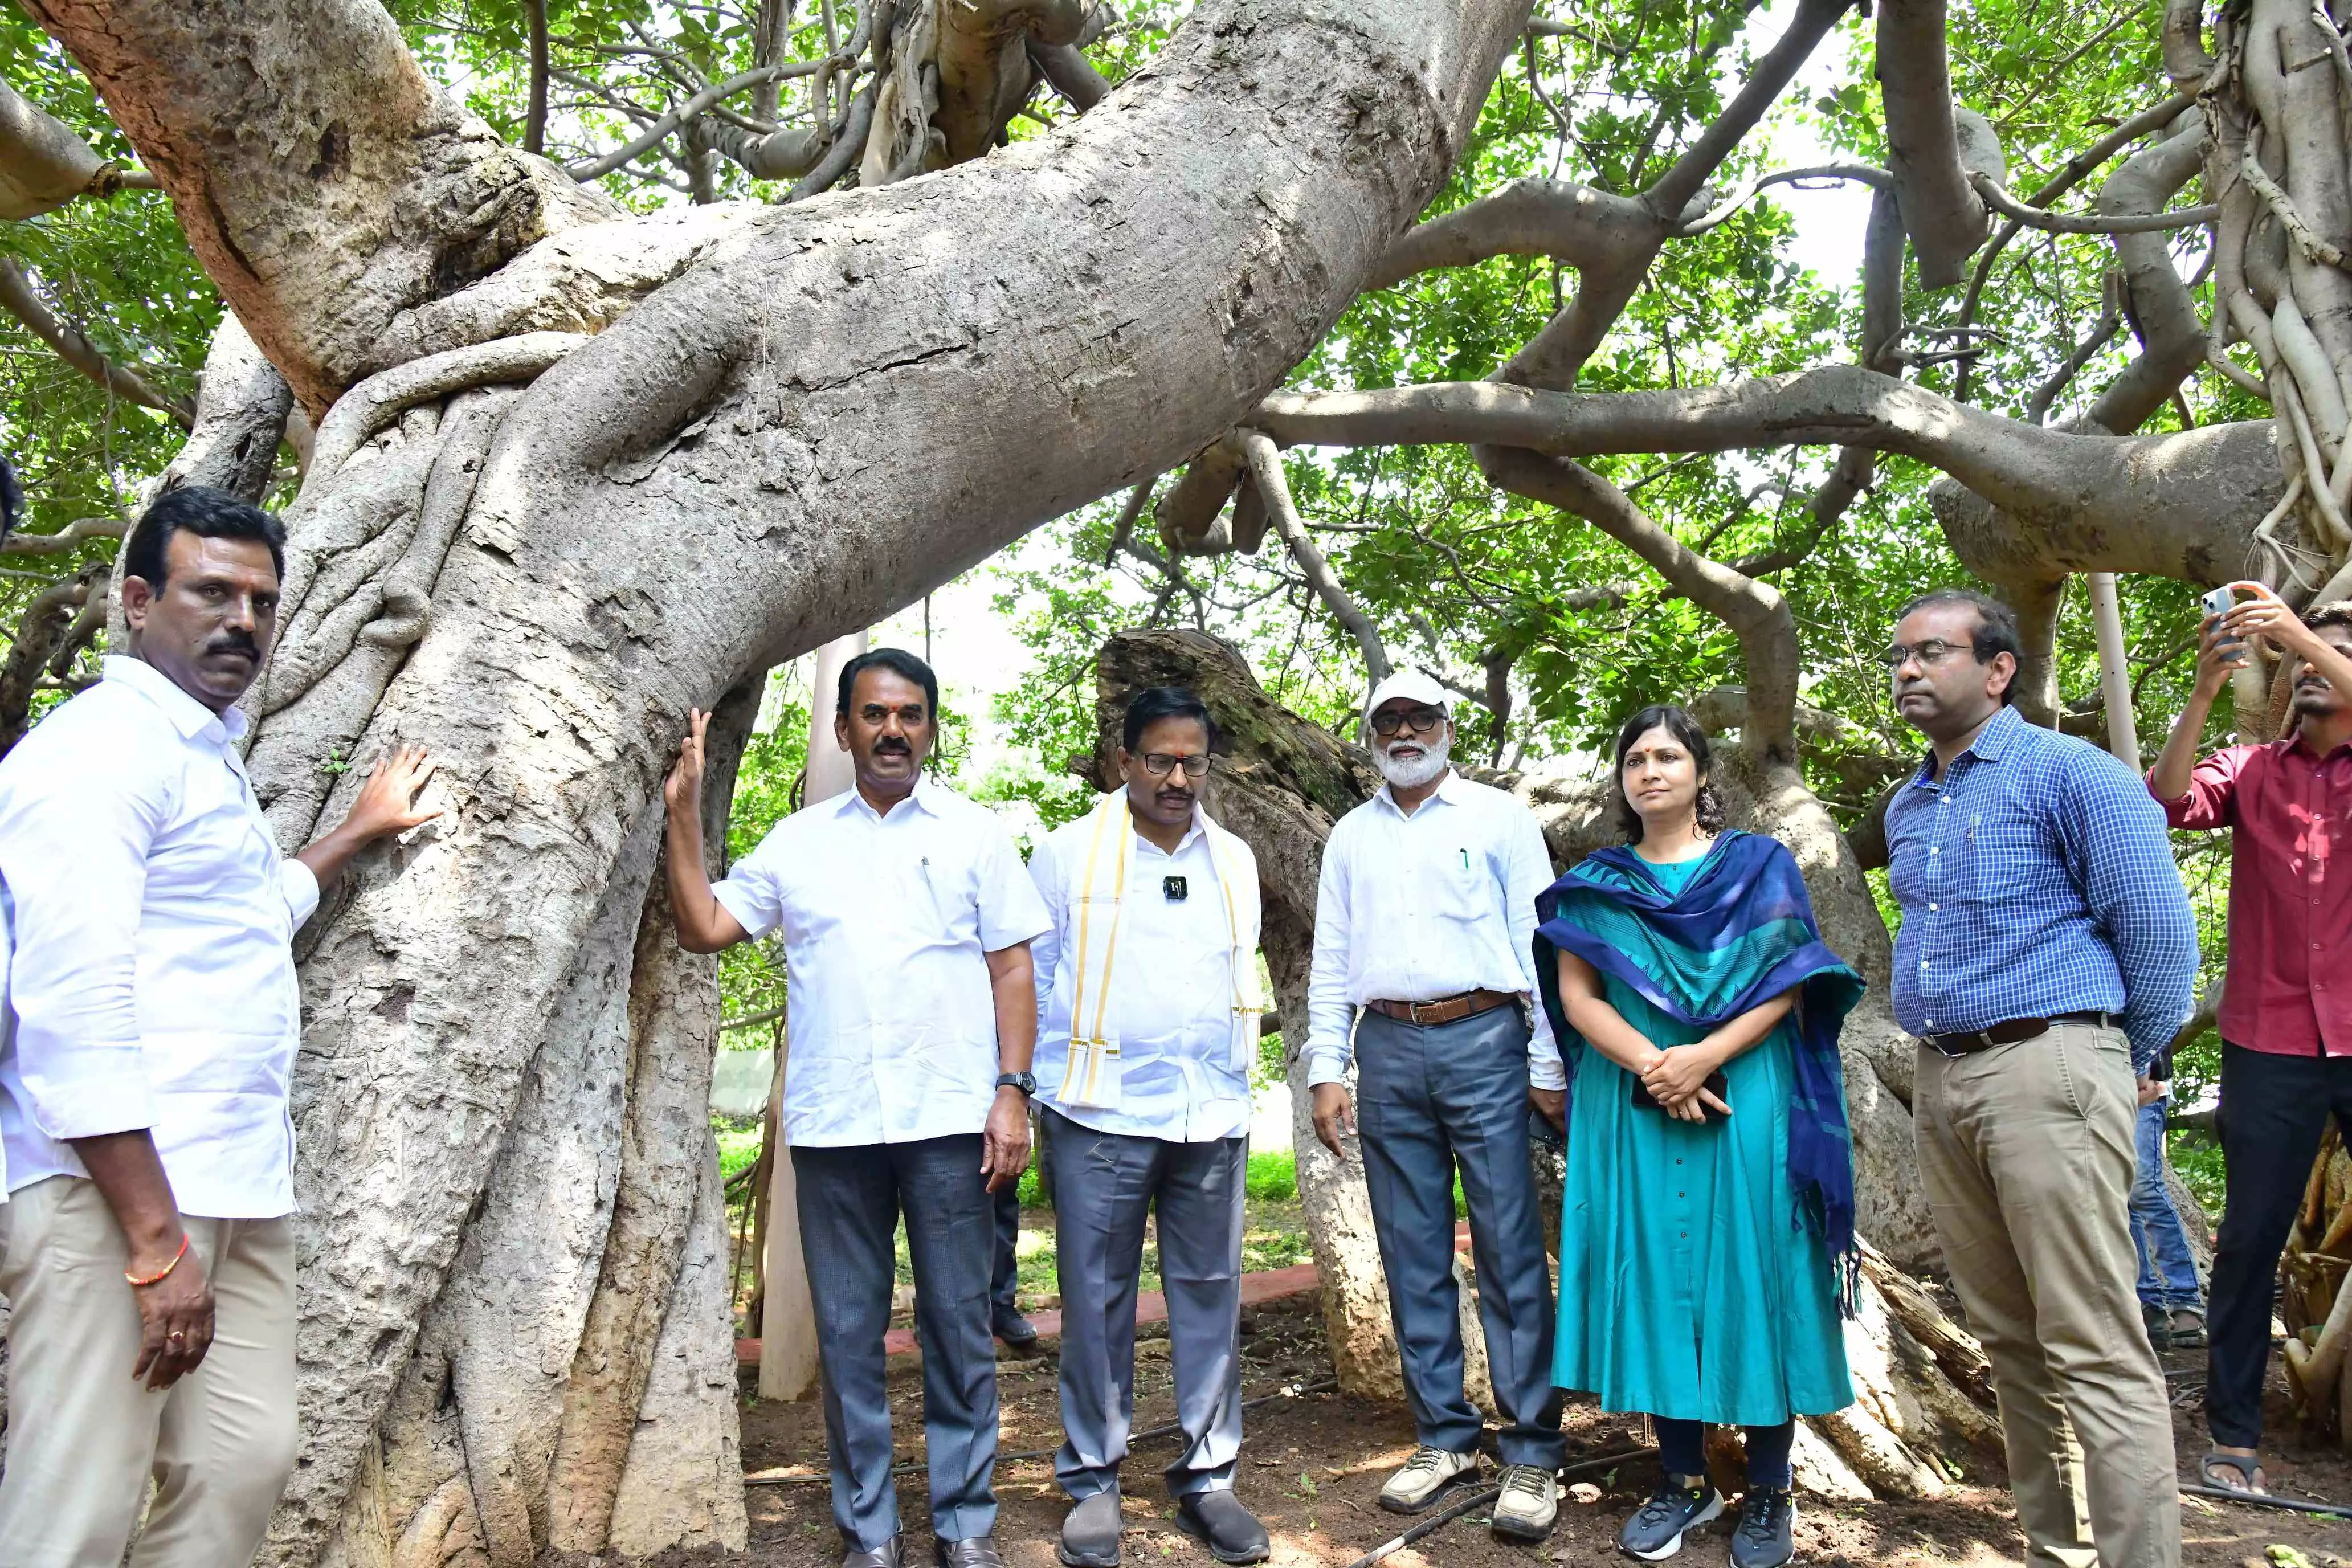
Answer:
x=2220 y=602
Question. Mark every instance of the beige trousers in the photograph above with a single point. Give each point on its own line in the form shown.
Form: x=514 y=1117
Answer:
x=83 y=1438
x=2026 y=1152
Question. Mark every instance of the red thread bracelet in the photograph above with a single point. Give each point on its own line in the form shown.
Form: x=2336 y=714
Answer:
x=157 y=1278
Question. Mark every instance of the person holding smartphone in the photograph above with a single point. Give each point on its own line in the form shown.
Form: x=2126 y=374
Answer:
x=2286 y=1031
x=1699 y=1012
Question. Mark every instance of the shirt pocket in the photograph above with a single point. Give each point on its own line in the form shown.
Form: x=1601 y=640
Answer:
x=1463 y=891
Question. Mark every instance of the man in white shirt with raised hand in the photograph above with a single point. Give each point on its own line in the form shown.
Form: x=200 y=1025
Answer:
x=147 y=1250
x=1148 y=996
x=907 y=918
x=1423 y=973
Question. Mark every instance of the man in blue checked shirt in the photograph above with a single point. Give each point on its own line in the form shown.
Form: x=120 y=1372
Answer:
x=2046 y=955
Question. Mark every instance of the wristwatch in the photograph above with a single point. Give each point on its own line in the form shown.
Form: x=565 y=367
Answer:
x=1025 y=1082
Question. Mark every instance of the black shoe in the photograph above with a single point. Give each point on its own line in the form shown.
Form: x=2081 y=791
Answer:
x=1766 y=1536
x=1218 y=1519
x=1090 y=1533
x=1655 y=1532
x=1015 y=1331
x=2159 y=1326
x=978 y=1551
x=886 y=1555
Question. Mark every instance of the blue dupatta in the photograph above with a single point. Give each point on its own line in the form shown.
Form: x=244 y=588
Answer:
x=1740 y=932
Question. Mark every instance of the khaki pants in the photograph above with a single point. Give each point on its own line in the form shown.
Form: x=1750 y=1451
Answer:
x=2027 y=1154
x=83 y=1438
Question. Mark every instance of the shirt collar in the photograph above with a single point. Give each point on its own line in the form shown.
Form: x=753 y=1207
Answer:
x=853 y=801
x=191 y=718
x=1450 y=789
x=1999 y=735
x=2294 y=742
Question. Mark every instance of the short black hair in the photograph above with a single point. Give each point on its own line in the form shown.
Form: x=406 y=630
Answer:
x=2333 y=613
x=1678 y=723
x=205 y=512
x=1153 y=703
x=1996 y=630
x=897 y=661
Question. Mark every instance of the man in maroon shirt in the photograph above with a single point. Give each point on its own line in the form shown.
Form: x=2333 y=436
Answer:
x=2286 y=995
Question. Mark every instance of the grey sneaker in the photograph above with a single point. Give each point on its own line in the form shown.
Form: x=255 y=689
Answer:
x=1425 y=1477
x=1528 y=1504
x=1767 y=1535
x=1655 y=1532
x=1090 y=1533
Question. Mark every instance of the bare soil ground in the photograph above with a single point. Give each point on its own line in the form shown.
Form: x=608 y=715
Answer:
x=1312 y=1464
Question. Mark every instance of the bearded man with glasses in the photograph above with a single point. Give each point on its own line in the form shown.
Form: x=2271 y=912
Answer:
x=1148 y=989
x=1424 y=921
x=2046 y=956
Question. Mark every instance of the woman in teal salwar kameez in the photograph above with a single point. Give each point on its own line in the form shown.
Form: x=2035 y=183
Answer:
x=1706 y=1236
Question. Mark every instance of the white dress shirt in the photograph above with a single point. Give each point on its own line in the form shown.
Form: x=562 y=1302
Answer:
x=1412 y=909
x=152 y=922
x=887 y=922
x=1170 y=993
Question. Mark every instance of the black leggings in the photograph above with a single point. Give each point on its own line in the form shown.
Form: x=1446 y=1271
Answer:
x=1682 y=1450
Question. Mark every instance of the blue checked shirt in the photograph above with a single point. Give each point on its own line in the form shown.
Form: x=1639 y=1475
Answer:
x=2036 y=879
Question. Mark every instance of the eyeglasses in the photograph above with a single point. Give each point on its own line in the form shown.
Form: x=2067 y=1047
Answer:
x=1929 y=652
x=1420 y=721
x=1160 y=764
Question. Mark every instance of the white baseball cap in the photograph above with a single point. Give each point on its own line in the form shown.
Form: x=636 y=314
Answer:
x=1412 y=687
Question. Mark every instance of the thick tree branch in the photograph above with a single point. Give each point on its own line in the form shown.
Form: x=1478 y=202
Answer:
x=1944 y=215
x=324 y=182
x=2095 y=223
x=22 y=301
x=1266 y=471
x=2178 y=505
x=1579 y=225
x=2172 y=337
x=70 y=538
x=660 y=129
x=1555 y=356
x=1755 y=611
x=1067 y=71
x=44 y=165
x=242 y=406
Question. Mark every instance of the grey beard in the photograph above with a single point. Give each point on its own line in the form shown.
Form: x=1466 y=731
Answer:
x=1413 y=774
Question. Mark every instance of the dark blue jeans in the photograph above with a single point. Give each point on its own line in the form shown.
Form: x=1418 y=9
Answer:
x=1432 y=1101
x=850 y=1200
x=2167 y=1275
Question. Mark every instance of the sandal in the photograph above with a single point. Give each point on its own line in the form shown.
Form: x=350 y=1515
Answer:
x=2249 y=1479
x=2185 y=1327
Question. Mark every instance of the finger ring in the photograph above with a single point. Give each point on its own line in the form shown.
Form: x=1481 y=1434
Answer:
x=175 y=1334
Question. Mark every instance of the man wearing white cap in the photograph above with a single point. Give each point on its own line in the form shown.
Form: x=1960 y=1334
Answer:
x=1423 y=922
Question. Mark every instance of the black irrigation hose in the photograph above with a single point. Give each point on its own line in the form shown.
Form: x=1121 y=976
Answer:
x=1150 y=1435
x=1431 y=1526
x=2257 y=1500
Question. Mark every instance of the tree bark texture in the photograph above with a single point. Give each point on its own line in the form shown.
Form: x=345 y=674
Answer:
x=534 y=556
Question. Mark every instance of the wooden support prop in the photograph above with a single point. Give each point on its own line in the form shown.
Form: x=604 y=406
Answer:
x=2115 y=671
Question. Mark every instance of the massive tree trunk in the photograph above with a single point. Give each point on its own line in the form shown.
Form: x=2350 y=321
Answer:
x=532 y=549
x=1281 y=782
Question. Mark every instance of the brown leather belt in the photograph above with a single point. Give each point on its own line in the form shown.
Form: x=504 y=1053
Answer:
x=2011 y=1032
x=1445 y=1009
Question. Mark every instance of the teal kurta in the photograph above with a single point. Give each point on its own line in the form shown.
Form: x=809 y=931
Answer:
x=1689 y=1285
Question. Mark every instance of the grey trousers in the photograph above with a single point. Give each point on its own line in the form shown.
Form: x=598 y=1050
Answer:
x=1004 y=1273
x=1104 y=1183
x=850 y=1199
x=1431 y=1101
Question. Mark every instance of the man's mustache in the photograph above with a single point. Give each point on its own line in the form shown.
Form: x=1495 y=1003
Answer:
x=235 y=642
x=892 y=748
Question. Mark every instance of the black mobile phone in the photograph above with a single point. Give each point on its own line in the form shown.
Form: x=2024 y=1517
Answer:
x=1715 y=1085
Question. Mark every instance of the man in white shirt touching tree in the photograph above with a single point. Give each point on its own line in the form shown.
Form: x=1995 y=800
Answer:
x=146 y=1060
x=907 y=918
x=1423 y=973
x=1148 y=997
